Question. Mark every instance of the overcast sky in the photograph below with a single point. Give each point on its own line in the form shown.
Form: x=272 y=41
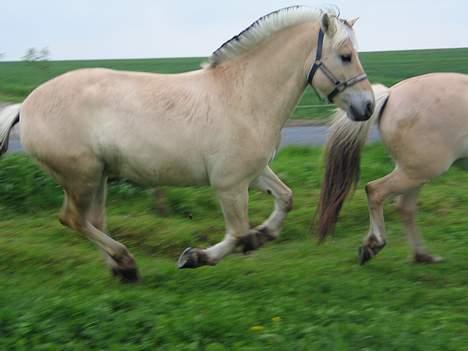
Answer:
x=88 y=29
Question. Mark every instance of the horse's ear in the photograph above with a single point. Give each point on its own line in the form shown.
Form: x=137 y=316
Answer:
x=353 y=22
x=328 y=25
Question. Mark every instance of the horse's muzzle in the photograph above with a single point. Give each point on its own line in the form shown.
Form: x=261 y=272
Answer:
x=363 y=113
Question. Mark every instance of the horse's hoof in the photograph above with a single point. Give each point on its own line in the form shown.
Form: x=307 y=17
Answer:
x=192 y=258
x=365 y=254
x=426 y=258
x=126 y=275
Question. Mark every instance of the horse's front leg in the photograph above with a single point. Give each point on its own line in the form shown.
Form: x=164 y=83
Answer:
x=269 y=183
x=234 y=203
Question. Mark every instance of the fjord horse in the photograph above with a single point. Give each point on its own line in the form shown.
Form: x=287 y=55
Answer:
x=217 y=126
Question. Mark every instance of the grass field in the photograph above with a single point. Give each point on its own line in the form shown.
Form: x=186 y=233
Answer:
x=292 y=295
x=18 y=79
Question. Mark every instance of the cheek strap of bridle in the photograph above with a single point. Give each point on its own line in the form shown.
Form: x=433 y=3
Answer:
x=339 y=86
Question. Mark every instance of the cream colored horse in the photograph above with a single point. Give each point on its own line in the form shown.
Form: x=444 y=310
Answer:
x=218 y=126
x=423 y=122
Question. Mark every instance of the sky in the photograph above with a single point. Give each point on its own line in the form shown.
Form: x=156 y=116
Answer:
x=98 y=29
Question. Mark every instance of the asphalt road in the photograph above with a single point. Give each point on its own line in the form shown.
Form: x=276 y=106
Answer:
x=14 y=145
x=313 y=135
x=310 y=135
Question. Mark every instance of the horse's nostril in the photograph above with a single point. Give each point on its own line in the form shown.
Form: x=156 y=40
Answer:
x=369 y=109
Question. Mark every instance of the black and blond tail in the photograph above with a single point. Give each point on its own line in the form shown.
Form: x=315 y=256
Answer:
x=342 y=162
x=9 y=116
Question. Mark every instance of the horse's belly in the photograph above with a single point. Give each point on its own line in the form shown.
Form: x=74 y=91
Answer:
x=162 y=171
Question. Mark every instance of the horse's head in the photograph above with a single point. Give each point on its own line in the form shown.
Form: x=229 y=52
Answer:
x=337 y=73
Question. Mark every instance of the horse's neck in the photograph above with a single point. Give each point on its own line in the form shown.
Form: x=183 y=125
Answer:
x=273 y=77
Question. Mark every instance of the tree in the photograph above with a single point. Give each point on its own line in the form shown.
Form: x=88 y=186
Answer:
x=30 y=55
x=38 y=58
x=44 y=54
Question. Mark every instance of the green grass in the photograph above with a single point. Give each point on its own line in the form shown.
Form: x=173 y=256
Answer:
x=18 y=79
x=291 y=295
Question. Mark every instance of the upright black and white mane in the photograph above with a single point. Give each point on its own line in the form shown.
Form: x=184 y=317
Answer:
x=264 y=28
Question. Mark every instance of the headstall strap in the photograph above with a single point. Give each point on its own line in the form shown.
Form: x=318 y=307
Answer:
x=339 y=86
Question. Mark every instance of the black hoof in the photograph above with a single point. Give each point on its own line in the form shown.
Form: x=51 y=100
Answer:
x=127 y=275
x=192 y=258
x=366 y=253
x=255 y=239
x=426 y=258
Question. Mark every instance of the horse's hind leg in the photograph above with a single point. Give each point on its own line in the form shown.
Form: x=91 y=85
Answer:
x=97 y=212
x=97 y=217
x=378 y=191
x=83 y=211
x=407 y=206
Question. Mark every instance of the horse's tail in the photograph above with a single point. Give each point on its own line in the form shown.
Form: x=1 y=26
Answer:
x=9 y=116
x=342 y=162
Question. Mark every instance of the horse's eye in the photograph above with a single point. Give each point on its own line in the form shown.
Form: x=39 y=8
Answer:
x=346 y=58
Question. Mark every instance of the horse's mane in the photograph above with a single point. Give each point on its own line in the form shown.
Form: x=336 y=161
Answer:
x=264 y=28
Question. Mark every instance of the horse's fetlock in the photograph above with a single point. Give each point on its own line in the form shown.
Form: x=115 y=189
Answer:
x=288 y=201
x=122 y=252
x=374 y=241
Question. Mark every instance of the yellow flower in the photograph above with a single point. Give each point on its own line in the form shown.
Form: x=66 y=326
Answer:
x=276 y=319
x=257 y=328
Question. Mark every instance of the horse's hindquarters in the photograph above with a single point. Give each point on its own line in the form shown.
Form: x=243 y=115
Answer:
x=425 y=123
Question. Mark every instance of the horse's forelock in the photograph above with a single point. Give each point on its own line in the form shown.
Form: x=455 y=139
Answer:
x=344 y=33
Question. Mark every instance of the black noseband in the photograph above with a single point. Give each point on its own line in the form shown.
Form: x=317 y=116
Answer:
x=339 y=85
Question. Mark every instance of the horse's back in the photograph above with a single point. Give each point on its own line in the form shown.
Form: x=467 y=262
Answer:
x=130 y=122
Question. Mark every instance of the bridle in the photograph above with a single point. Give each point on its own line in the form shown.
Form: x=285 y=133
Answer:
x=339 y=86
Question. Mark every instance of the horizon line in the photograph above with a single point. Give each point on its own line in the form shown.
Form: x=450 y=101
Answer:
x=206 y=57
